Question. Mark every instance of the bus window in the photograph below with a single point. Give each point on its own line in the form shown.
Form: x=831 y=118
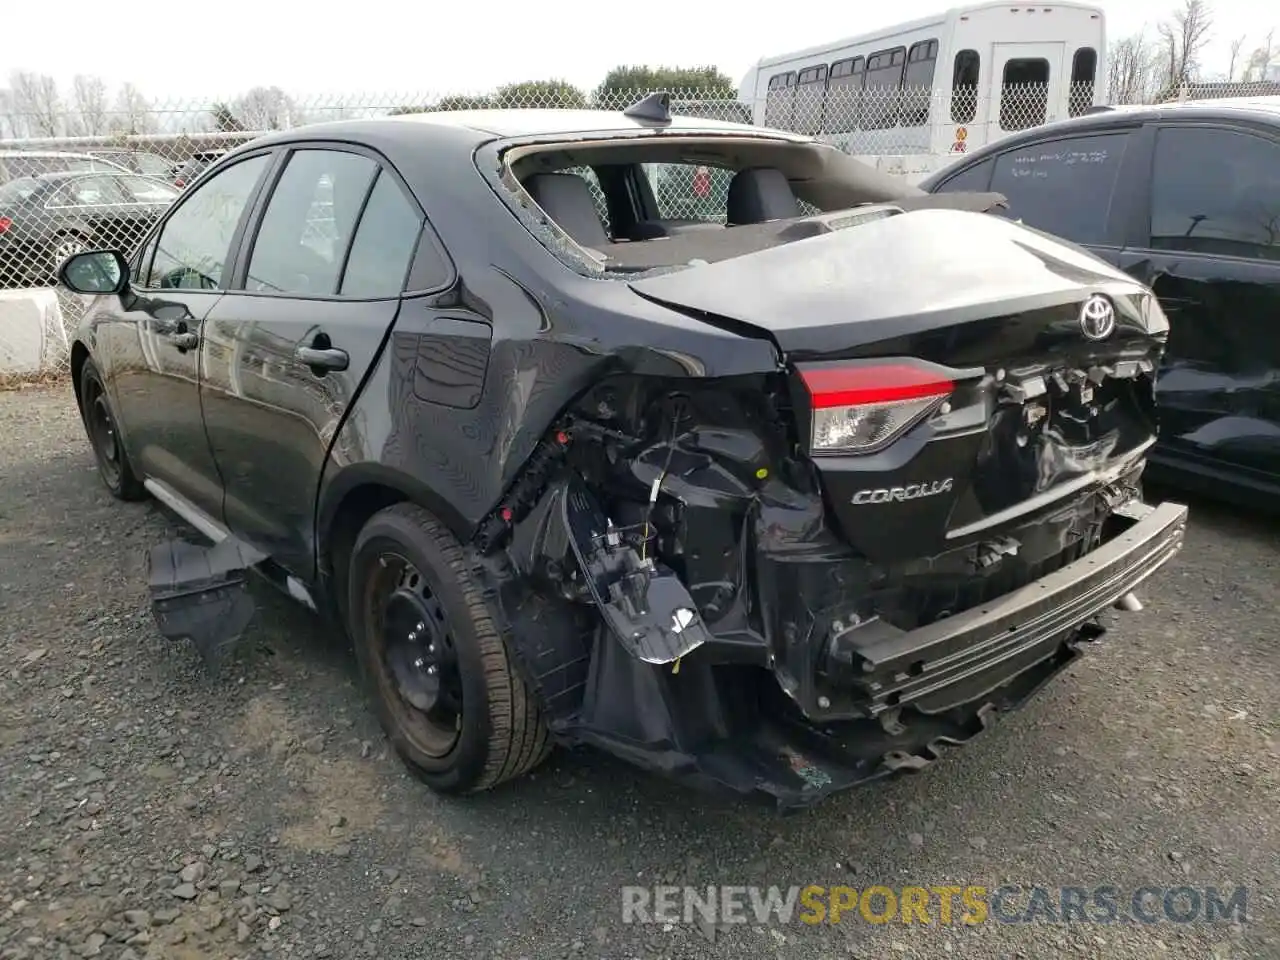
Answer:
x=917 y=84
x=883 y=88
x=1024 y=93
x=810 y=92
x=964 y=86
x=781 y=99
x=844 y=96
x=1084 y=66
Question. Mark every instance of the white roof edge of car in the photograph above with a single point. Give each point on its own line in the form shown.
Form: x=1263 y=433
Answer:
x=47 y=153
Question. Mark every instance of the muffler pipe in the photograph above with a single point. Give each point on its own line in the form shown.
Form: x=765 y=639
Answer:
x=1129 y=603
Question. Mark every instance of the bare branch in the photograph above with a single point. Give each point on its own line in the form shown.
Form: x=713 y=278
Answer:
x=89 y=95
x=35 y=99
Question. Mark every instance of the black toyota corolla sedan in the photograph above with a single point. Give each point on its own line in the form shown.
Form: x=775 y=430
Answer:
x=778 y=499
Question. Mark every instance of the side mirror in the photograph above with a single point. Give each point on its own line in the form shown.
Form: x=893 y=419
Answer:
x=95 y=272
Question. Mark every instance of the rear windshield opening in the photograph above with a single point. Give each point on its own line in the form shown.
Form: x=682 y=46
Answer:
x=631 y=204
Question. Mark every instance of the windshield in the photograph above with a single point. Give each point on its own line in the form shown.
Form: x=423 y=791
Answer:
x=16 y=191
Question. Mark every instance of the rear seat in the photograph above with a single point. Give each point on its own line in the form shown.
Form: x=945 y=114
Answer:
x=758 y=195
x=566 y=199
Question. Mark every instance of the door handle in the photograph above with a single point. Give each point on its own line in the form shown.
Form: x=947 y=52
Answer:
x=322 y=358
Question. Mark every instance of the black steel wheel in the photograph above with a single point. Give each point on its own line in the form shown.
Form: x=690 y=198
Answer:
x=104 y=437
x=442 y=681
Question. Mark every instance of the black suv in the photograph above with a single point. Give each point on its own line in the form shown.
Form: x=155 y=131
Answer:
x=1186 y=198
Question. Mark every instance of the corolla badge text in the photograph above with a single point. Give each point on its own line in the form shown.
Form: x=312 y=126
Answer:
x=911 y=491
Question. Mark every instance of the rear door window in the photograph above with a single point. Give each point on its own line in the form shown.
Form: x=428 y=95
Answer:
x=975 y=177
x=384 y=242
x=1216 y=191
x=1064 y=187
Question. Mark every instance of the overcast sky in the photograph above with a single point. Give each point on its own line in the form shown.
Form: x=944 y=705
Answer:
x=180 y=52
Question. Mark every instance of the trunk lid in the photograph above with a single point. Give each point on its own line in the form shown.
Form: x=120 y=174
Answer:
x=958 y=344
x=829 y=295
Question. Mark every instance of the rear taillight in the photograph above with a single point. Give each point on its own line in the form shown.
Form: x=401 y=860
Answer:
x=5 y=224
x=861 y=407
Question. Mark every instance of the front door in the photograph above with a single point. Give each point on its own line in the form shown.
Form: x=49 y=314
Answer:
x=286 y=351
x=1212 y=256
x=1026 y=85
x=150 y=341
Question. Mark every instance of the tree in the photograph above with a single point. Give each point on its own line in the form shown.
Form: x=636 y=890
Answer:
x=11 y=125
x=1183 y=37
x=89 y=98
x=1132 y=66
x=625 y=84
x=132 y=114
x=462 y=102
x=540 y=93
x=1256 y=66
x=224 y=119
x=35 y=99
x=265 y=108
x=1236 y=46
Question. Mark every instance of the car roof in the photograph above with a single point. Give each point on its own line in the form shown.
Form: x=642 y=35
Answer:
x=46 y=153
x=1100 y=119
x=56 y=175
x=517 y=123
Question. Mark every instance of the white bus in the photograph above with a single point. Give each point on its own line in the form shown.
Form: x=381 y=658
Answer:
x=909 y=98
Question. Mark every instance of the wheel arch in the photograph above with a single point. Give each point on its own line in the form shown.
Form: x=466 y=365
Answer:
x=79 y=356
x=347 y=502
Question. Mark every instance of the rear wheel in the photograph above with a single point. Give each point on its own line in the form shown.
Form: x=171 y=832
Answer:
x=100 y=425
x=443 y=684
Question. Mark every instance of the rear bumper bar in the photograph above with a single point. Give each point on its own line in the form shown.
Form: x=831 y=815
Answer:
x=962 y=658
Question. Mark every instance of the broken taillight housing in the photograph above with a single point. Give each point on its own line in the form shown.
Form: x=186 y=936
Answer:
x=862 y=407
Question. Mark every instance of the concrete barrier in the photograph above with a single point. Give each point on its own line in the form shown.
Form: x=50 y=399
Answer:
x=33 y=334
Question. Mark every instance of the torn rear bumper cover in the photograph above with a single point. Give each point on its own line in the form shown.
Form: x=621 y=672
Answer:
x=916 y=691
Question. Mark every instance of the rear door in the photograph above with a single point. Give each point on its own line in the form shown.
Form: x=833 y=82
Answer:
x=1028 y=81
x=1209 y=245
x=284 y=354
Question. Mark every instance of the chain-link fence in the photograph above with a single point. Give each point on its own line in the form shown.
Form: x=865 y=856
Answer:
x=72 y=178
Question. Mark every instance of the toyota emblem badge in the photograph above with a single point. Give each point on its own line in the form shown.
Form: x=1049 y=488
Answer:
x=1097 y=318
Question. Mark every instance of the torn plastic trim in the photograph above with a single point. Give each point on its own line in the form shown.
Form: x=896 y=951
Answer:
x=884 y=667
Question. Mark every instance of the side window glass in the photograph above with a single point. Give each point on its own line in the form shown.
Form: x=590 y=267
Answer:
x=1084 y=69
x=1024 y=93
x=1045 y=181
x=964 y=86
x=142 y=190
x=976 y=178
x=195 y=242
x=308 y=223
x=1216 y=191
x=88 y=192
x=383 y=244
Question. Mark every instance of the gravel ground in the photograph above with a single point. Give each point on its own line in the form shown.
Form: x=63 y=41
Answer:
x=150 y=810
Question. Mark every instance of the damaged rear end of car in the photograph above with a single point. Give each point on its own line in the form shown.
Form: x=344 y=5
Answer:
x=791 y=581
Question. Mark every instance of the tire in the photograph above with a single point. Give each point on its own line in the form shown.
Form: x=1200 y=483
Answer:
x=99 y=420
x=415 y=607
